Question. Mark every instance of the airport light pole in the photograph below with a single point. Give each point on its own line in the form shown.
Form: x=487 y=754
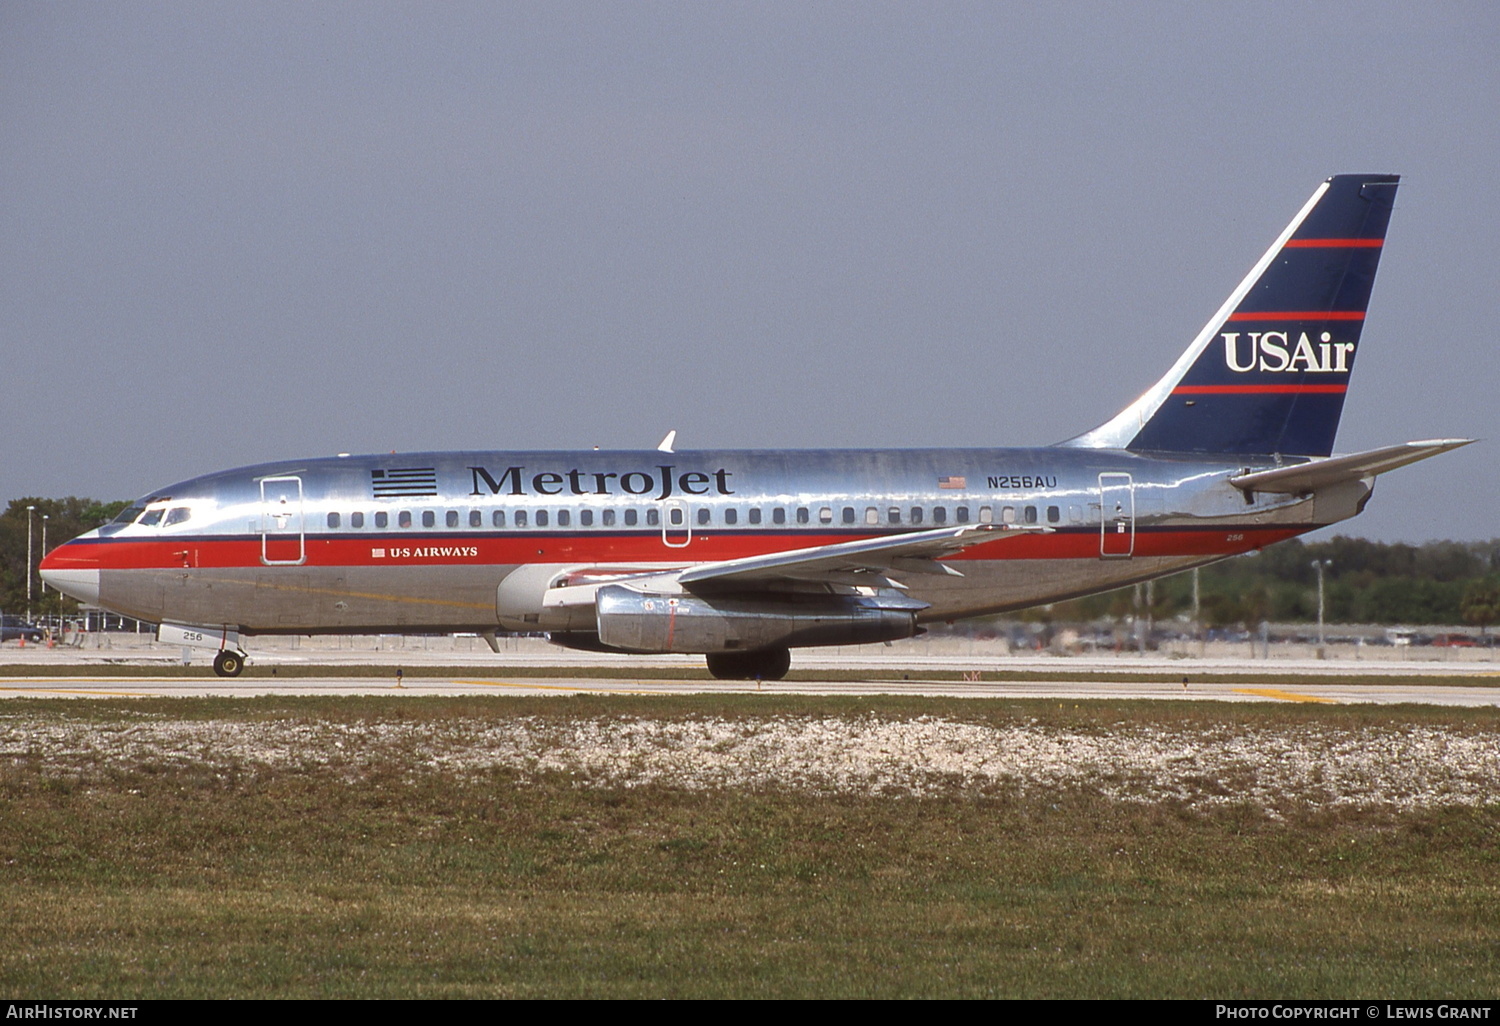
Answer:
x=1320 y=565
x=1197 y=616
x=30 y=512
x=45 y=518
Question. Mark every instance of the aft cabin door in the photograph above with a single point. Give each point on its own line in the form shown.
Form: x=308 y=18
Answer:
x=282 y=538
x=1116 y=516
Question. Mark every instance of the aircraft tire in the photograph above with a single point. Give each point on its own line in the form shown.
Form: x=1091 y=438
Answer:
x=766 y=664
x=773 y=663
x=229 y=664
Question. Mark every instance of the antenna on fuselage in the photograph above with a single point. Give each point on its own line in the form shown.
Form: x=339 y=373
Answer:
x=668 y=442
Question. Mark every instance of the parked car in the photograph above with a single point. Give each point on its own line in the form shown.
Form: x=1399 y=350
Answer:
x=14 y=628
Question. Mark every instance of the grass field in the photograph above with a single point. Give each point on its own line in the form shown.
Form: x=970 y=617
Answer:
x=740 y=846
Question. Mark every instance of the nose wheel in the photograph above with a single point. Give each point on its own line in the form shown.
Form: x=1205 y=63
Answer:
x=229 y=664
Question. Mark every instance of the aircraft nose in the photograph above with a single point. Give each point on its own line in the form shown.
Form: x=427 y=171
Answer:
x=73 y=570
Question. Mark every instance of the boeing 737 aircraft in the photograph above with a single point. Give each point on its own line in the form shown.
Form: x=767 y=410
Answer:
x=742 y=556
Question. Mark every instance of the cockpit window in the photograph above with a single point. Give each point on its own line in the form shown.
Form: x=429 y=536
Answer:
x=177 y=515
x=128 y=516
x=152 y=518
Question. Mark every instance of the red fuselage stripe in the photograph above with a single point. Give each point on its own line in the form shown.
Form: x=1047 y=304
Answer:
x=614 y=549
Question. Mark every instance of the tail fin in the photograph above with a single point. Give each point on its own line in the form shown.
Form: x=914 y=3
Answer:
x=1268 y=373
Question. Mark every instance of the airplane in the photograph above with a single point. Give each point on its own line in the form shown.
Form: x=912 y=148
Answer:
x=741 y=556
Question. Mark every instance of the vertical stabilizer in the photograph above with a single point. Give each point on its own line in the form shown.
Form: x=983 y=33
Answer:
x=1268 y=373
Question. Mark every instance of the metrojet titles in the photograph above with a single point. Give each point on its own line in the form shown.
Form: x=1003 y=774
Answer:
x=1274 y=351
x=661 y=482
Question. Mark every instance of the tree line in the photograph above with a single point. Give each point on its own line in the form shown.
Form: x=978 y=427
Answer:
x=1443 y=582
x=1440 y=582
x=65 y=519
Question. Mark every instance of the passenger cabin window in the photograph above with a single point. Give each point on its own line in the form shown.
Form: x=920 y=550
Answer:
x=520 y=518
x=607 y=518
x=755 y=515
x=541 y=518
x=802 y=515
x=986 y=515
x=333 y=521
x=731 y=516
x=585 y=518
x=961 y=514
x=631 y=517
x=703 y=517
x=403 y=519
x=1031 y=514
x=916 y=514
x=825 y=515
x=939 y=515
x=674 y=516
x=849 y=516
x=872 y=515
x=451 y=518
x=382 y=519
x=893 y=515
x=356 y=520
x=429 y=518
x=563 y=518
x=1007 y=514
x=497 y=518
x=1054 y=514
x=778 y=515
x=653 y=517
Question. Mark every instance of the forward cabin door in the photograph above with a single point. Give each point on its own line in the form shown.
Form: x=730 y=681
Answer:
x=283 y=541
x=1116 y=516
x=676 y=529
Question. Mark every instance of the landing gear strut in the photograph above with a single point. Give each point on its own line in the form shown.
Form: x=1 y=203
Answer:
x=765 y=664
x=228 y=664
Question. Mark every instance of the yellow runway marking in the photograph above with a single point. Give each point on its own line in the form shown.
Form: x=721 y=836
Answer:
x=82 y=691
x=554 y=687
x=1289 y=696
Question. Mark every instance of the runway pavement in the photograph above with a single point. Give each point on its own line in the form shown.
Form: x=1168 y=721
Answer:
x=86 y=685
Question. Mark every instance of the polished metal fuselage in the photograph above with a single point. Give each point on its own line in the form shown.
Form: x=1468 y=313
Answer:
x=275 y=548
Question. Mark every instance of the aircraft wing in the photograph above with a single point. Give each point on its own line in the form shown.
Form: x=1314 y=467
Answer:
x=917 y=552
x=1307 y=477
x=862 y=563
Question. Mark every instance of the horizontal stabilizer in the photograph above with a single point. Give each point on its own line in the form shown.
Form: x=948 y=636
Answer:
x=1307 y=477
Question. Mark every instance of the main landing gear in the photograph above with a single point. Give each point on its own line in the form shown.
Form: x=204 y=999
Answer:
x=229 y=664
x=764 y=664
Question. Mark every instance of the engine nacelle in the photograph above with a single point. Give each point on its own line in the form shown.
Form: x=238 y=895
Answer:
x=635 y=621
x=521 y=601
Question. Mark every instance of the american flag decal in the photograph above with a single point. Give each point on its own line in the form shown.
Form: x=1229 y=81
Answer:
x=403 y=482
x=953 y=482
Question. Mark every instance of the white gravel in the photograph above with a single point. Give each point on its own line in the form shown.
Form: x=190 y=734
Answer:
x=1399 y=767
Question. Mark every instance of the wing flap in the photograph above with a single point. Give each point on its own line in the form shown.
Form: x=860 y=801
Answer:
x=914 y=552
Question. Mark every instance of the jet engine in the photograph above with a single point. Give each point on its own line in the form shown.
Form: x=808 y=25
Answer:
x=640 y=621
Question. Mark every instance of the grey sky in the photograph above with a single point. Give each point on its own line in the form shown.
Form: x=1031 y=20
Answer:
x=240 y=232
